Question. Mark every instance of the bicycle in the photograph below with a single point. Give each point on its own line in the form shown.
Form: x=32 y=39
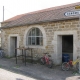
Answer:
x=70 y=64
x=46 y=59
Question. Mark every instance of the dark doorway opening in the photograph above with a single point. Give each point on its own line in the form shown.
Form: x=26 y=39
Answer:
x=67 y=45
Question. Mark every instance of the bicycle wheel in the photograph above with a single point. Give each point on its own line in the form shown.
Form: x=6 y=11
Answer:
x=42 y=61
x=65 y=66
x=50 y=64
x=77 y=65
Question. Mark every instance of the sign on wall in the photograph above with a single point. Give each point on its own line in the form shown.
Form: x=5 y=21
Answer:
x=77 y=7
x=72 y=13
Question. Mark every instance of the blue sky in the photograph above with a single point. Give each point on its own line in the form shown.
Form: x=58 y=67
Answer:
x=16 y=7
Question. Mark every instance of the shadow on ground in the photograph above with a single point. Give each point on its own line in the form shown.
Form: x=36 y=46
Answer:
x=35 y=71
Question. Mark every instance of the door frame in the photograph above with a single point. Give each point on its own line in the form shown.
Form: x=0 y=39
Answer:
x=18 y=39
x=58 y=48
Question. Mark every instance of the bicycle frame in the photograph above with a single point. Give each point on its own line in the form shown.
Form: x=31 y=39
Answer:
x=70 y=64
x=46 y=58
x=74 y=62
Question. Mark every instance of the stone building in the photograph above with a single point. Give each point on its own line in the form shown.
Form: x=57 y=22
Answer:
x=54 y=30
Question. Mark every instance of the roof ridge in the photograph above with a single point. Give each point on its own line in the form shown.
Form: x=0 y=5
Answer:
x=56 y=8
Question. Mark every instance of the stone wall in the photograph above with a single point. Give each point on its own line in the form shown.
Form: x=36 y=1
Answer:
x=50 y=28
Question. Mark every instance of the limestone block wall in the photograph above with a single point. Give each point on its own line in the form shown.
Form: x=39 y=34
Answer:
x=50 y=29
x=6 y=32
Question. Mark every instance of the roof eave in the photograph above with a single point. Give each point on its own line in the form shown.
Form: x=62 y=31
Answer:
x=4 y=27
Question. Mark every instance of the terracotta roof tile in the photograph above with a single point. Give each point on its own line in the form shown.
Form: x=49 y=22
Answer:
x=50 y=14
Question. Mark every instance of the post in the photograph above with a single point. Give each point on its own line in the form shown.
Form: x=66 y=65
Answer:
x=16 y=56
x=79 y=52
x=3 y=13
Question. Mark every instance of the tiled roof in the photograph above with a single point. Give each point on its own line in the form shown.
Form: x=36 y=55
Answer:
x=45 y=15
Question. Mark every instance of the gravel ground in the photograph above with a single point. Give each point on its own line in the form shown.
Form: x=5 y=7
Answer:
x=19 y=71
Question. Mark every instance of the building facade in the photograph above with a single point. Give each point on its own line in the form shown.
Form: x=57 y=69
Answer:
x=55 y=30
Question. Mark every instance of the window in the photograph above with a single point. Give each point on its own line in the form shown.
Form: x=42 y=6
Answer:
x=35 y=37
